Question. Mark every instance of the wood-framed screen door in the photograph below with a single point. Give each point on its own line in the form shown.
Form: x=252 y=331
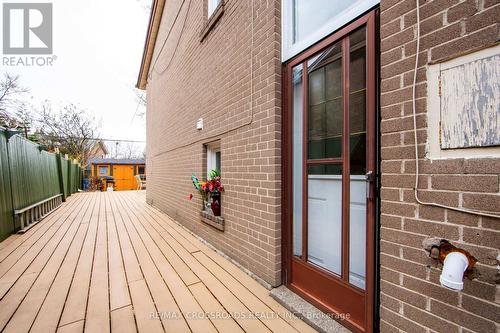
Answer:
x=329 y=147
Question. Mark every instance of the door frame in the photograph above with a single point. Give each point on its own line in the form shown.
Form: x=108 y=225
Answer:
x=370 y=20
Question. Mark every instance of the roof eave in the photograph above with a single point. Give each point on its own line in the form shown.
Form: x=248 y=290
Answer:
x=149 y=44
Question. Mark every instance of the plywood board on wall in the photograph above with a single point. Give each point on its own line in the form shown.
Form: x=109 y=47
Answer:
x=470 y=103
x=463 y=106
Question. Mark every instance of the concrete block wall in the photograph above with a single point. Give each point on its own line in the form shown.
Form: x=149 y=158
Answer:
x=411 y=298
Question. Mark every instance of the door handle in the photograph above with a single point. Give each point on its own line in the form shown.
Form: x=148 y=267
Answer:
x=370 y=180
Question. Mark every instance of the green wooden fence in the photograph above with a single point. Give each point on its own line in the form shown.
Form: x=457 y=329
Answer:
x=6 y=208
x=32 y=182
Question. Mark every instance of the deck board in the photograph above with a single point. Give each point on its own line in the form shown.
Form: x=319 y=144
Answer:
x=160 y=292
x=76 y=299
x=97 y=317
x=35 y=272
x=20 y=257
x=180 y=292
x=14 y=241
x=49 y=315
x=109 y=262
x=174 y=231
x=118 y=287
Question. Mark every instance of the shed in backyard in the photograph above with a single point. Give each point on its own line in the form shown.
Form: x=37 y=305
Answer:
x=122 y=170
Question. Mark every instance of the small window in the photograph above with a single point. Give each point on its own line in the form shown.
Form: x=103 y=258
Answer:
x=103 y=171
x=217 y=160
x=212 y=5
x=213 y=157
x=141 y=170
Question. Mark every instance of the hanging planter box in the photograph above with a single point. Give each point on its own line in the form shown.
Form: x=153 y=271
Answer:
x=215 y=221
x=211 y=193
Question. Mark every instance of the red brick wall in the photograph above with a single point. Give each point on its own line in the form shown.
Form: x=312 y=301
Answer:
x=411 y=298
x=230 y=78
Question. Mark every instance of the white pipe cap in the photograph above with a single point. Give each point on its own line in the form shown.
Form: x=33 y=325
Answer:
x=454 y=266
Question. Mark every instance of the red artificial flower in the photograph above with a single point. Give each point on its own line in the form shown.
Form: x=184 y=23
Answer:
x=190 y=196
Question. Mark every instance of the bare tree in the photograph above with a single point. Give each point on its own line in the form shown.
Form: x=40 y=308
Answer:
x=24 y=119
x=145 y=4
x=142 y=102
x=12 y=102
x=128 y=150
x=72 y=130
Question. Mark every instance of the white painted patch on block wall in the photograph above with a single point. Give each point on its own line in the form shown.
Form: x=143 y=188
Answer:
x=470 y=104
x=463 y=109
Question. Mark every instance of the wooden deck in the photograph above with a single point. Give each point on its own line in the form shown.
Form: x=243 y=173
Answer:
x=110 y=262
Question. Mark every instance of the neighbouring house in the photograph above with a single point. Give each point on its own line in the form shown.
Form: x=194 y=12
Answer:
x=314 y=112
x=123 y=171
x=99 y=150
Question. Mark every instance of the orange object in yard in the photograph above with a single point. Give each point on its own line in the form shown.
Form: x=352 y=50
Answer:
x=124 y=177
x=123 y=171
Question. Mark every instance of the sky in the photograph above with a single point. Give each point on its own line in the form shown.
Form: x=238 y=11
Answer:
x=98 y=46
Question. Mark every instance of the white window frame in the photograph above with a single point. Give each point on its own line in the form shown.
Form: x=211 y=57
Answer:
x=212 y=150
x=102 y=167
x=212 y=6
x=289 y=49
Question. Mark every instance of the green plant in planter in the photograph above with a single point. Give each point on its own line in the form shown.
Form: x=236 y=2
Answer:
x=211 y=189
x=213 y=173
x=215 y=188
x=201 y=187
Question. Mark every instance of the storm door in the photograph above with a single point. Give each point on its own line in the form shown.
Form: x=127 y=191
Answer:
x=329 y=173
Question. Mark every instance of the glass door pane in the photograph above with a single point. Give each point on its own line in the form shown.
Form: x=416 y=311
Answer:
x=297 y=176
x=357 y=140
x=325 y=104
x=324 y=220
x=325 y=122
